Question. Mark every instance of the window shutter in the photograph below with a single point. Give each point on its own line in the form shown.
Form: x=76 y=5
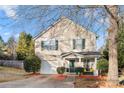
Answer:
x=73 y=43
x=56 y=44
x=42 y=45
x=83 y=43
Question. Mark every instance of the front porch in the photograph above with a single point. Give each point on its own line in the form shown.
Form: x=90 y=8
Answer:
x=80 y=63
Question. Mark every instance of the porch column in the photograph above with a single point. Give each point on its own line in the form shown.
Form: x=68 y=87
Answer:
x=95 y=67
x=80 y=59
x=78 y=63
x=66 y=65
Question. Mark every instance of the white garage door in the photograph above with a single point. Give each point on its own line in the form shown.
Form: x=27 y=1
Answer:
x=48 y=67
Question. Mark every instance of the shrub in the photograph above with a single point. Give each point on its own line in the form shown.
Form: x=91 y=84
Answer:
x=102 y=66
x=60 y=70
x=32 y=64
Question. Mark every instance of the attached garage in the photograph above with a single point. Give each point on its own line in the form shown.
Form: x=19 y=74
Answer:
x=49 y=67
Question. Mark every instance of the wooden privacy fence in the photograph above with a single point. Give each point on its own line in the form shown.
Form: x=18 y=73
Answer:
x=12 y=63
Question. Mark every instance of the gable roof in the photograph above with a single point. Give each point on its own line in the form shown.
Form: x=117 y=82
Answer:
x=58 y=21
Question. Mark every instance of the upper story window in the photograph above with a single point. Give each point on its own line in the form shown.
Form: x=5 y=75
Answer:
x=78 y=43
x=49 y=45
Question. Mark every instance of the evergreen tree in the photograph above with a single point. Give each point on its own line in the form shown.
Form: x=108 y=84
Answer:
x=25 y=46
x=22 y=48
x=31 y=49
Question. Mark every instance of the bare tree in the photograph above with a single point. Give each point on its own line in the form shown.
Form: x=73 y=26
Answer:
x=11 y=44
x=112 y=13
x=113 y=32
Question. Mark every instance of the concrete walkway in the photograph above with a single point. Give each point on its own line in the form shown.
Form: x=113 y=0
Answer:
x=38 y=82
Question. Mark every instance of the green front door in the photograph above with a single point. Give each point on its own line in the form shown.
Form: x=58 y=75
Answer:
x=71 y=65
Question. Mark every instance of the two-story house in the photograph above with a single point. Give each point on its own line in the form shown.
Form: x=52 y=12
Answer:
x=66 y=44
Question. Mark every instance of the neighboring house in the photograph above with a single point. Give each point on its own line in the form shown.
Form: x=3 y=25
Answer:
x=66 y=44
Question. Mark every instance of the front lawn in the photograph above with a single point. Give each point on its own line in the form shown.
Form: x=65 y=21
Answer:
x=9 y=74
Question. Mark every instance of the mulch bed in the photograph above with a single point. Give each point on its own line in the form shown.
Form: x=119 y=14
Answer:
x=60 y=77
x=94 y=82
x=88 y=77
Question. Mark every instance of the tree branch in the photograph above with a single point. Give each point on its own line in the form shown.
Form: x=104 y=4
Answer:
x=89 y=6
x=110 y=13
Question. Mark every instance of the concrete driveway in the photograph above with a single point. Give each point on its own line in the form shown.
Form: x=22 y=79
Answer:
x=40 y=81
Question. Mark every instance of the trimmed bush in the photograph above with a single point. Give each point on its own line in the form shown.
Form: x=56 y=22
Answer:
x=60 y=70
x=32 y=64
